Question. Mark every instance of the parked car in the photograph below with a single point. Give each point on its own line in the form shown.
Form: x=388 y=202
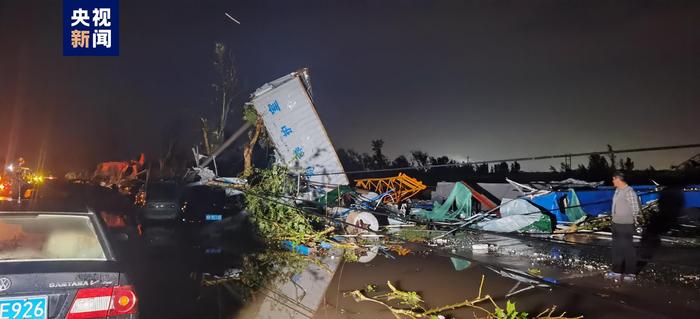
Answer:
x=203 y=204
x=60 y=265
x=206 y=209
x=161 y=202
x=117 y=212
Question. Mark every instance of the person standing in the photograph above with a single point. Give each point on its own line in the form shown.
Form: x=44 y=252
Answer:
x=625 y=209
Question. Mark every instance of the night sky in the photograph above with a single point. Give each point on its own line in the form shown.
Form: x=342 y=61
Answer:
x=486 y=79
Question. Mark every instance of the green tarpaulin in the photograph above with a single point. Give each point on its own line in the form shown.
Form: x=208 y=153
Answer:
x=331 y=197
x=460 y=198
x=460 y=264
x=574 y=212
x=542 y=225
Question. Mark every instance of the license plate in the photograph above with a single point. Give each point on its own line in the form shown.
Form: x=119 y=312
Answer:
x=212 y=251
x=213 y=217
x=23 y=308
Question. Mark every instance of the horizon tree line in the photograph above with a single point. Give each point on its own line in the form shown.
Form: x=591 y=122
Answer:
x=353 y=160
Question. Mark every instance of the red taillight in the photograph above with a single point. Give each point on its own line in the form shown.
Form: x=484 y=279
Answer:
x=123 y=301
x=103 y=302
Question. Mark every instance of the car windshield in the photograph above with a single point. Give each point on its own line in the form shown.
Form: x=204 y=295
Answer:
x=161 y=192
x=33 y=237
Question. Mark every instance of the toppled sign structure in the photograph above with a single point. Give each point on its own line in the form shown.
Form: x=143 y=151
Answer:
x=302 y=144
x=300 y=140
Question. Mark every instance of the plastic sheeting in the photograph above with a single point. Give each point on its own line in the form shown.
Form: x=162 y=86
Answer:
x=460 y=264
x=599 y=201
x=460 y=198
x=692 y=197
x=518 y=215
x=331 y=197
x=510 y=207
x=510 y=223
x=574 y=211
x=550 y=202
x=554 y=203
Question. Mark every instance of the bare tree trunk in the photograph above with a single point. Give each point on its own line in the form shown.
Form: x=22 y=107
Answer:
x=225 y=107
x=248 y=149
x=205 y=136
x=163 y=161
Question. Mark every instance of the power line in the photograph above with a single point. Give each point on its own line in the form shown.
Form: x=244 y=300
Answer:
x=517 y=159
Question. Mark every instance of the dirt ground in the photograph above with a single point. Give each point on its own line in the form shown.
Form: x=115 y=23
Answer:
x=439 y=283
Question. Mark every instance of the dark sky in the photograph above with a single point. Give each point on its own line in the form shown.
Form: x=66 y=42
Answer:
x=486 y=79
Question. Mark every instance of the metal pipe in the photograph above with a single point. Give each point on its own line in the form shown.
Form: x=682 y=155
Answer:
x=226 y=144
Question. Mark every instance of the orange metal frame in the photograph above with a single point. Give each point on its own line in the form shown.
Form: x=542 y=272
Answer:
x=403 y=186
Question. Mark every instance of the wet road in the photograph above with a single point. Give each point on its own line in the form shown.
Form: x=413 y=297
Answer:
x=581 y=289
x=167 y=265
x=439 y=283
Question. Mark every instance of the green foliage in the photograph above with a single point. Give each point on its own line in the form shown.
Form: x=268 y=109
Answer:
x=598 y=165
x=270 y=209
x=417 y=310
x=271 y=266
x=510 y=312
x=598 y=223
x=515 y=168
x=414 y=234
x=379 y=159
x=501 y=168
x=249 y=114
x=224 y=87
x=405 y=298
x=277 y=220
x=350 y=255
x=419 y=158
x=482 y=169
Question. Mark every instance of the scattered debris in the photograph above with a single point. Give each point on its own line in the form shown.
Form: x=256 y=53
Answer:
x=400 y=188
x=460 y=197
x=410 y=304
x=114 y=173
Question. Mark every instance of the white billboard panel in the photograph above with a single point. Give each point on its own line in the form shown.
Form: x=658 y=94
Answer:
x=296 y=130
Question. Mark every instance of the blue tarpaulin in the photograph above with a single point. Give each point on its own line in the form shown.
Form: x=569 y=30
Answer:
x=692 y=198
x=599 y=201
x=549 y=202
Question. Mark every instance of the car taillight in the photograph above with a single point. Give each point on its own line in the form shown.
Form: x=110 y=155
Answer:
x=103 y=302
x=124 y=301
